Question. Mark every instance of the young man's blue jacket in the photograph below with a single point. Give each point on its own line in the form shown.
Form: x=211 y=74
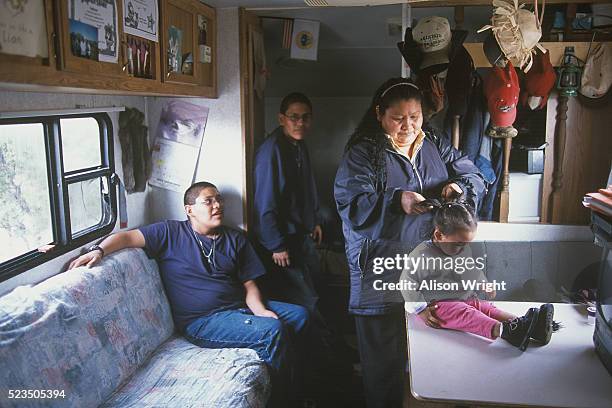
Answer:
x=286 y=200
x=373 y=222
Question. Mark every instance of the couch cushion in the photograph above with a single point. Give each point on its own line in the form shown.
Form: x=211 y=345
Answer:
x=181 y=374
x=84 y=331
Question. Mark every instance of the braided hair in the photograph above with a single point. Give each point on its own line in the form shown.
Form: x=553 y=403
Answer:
x=370 y=129
x=452 y=216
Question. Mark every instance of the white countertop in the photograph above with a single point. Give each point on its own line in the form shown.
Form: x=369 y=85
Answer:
x=452 y=366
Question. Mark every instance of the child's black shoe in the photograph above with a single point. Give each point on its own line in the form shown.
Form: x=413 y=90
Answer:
x=545 y=325
x=518 y=330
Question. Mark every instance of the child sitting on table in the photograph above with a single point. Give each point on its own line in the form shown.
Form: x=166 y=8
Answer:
x=442 y=289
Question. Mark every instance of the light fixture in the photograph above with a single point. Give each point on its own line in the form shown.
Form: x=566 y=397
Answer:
x=568 y=80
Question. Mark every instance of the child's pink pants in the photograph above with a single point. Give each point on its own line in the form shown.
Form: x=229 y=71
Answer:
x=473 y=316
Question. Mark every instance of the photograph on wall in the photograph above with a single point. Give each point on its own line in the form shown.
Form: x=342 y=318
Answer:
x=175 y=58
x=140 y=18
x=177 y=145
x=139 y=57
x=101 y=14
x=23 y=29
x=83 y=40
x=187 y=66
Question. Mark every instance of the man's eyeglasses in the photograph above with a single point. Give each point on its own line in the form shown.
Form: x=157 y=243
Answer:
x=307 y=117
x=208 y=202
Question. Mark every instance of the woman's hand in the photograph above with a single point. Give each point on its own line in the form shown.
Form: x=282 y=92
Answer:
x=430 y=318
x=450 y=191
x=410 y=203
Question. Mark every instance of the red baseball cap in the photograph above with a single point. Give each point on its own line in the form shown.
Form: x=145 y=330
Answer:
x=540 y=79
x=501 y=88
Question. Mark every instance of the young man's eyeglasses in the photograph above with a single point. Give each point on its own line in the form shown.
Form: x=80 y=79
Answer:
x=209 y=202
x=307 y=117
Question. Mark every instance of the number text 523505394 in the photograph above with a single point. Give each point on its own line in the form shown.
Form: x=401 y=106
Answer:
x=36 y=394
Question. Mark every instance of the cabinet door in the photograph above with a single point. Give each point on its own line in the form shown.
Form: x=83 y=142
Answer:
x=142 y=58
x=16 y=63
x=90 y=33
x=180 y=42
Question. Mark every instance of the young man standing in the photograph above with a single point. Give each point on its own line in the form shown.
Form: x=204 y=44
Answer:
x=286 y=203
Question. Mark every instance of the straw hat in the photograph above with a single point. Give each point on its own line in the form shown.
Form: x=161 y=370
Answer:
x=516 y=30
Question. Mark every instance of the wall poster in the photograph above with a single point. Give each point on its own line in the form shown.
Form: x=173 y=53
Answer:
x=177 y=146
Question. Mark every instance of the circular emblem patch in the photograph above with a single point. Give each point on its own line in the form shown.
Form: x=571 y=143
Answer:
x=304 y=39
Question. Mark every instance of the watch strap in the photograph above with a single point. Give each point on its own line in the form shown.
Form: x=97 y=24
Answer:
x=95 y=247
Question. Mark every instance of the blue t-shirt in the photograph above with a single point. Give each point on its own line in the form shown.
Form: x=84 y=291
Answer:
x=194 y=285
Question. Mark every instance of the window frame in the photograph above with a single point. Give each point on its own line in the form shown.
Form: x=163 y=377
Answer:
x=59 y=200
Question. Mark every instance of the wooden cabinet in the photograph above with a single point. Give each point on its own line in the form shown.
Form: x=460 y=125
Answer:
x=84 y=58
x=141 y=65
x=17 y=68
x=179 y=46
x=187 y=48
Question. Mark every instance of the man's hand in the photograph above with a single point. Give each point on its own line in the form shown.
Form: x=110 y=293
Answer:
x=491 y=294
x=281 y=258
x=317 y=234
x=430 y=318
x=410 y=203
x=89 y=259
x=253 y=300
x=266 y=313
x=450 y=191
x=110 y=244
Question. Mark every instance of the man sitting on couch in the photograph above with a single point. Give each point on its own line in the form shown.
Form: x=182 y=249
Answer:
x=209 y=273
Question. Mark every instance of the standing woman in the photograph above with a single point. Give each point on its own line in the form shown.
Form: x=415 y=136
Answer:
x=390 y=165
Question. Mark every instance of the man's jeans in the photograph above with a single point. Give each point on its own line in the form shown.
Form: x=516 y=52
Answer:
x=303 y=274
x=273 y=340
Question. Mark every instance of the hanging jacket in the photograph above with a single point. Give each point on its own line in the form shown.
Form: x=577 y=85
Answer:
x=135 y=154
x=286 y=201
x=375 y=226
x=480 y=148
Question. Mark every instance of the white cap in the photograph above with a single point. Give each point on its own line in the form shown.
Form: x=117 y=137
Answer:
x=433 y=36
x=596 y=76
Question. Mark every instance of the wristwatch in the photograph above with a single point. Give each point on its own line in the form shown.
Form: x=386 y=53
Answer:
x=95 y=247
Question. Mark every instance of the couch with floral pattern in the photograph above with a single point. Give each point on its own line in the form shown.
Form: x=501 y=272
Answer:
x=104 y=336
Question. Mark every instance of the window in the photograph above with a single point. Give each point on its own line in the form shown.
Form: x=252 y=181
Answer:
x=56 y=187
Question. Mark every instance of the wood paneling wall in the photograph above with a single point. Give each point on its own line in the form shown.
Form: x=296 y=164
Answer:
x=586 y=165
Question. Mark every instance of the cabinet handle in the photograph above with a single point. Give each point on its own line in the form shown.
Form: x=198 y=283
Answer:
x=54 y=45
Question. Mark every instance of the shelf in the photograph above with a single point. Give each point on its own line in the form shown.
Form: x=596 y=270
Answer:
x=556 y=50
x=453 y=3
